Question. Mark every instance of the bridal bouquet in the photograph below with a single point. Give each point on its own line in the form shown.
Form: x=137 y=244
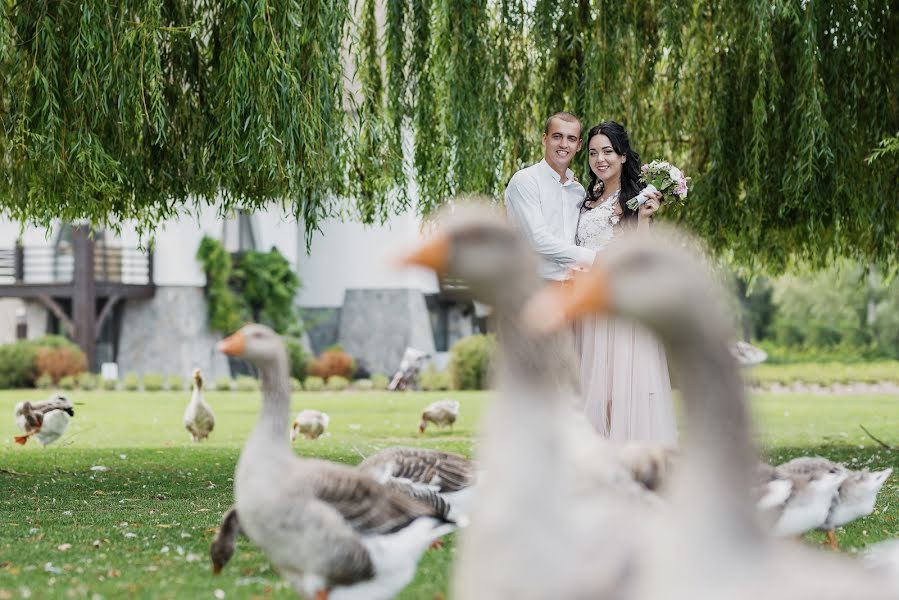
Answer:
x=660 y=176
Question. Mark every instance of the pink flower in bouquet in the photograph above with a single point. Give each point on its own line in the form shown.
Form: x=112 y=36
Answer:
x=681 y=189
x=645 y=168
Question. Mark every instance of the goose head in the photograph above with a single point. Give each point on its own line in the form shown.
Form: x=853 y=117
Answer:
x=255 y=343
x=861 y=488
x=198 y=378
x=478 y=246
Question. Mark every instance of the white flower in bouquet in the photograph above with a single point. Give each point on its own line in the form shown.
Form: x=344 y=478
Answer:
x=660 y=176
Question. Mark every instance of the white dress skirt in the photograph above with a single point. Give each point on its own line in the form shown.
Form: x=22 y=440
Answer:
x=623 y=370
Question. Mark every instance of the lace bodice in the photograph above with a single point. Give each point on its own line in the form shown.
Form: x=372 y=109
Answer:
x=597 y=227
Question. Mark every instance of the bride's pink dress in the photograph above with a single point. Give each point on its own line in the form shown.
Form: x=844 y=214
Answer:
x=623 y=371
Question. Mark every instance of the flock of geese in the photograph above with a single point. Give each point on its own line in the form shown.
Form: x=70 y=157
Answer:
x=549 y=509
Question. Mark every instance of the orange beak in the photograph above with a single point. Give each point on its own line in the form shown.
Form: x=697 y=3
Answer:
x=557 y=305
x=234 y=344
x=433 y=254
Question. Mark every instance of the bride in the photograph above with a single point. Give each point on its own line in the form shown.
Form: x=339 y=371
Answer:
x=624 y=374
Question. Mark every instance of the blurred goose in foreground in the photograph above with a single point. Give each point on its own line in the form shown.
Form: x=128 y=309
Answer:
x=710 y=544
x=331 y=530
x=537 y=518
x=449 y=475
x=199 y=419
x=311 y=423
x=855 y=497
x=45 y=420
x=441 y=413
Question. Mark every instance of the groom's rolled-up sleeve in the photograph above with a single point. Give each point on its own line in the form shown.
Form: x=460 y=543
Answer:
x=523 y=207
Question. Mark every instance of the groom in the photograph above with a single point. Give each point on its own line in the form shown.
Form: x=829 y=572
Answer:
x=544 y=200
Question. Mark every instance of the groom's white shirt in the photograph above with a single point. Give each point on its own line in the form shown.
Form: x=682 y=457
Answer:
x=546 y=210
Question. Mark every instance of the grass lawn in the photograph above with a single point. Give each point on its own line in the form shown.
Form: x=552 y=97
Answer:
x=142 y=528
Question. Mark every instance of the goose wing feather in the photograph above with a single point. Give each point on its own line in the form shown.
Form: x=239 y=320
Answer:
x=446 y=471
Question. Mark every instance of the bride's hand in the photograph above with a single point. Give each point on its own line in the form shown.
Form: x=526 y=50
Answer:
x=650 y=206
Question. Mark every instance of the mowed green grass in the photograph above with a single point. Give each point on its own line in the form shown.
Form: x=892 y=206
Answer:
x=142 y=528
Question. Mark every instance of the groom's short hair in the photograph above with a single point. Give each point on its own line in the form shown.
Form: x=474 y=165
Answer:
x=564 y=116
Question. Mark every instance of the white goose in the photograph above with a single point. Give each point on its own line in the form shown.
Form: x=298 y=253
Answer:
x=309 y=422
x=332 y=531
x=199 y=419
x=46 y=420
x=536 y=517
x=855 y=497
x=713 y=548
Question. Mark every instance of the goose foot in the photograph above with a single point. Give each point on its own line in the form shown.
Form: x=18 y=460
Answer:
x=436 y=545
x=832 y=538
x=21 y=439
x=322 y=594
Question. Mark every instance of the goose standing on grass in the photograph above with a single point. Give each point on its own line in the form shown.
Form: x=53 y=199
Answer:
x=45 y=420
x=198 y=416
x=710 y=546
x=332 y=531
x=451 y=476
x=855 y=497
x=442 y=413
x=310 y=423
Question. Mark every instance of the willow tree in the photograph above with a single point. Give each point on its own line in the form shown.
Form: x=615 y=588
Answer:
x=772 y=106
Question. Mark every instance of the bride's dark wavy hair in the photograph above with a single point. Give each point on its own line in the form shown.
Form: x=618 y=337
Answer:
x=630 y=170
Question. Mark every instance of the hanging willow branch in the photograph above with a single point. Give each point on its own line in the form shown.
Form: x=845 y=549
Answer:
x=111 y=111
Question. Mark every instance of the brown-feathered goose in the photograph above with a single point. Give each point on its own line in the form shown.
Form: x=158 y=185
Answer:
x=713 y=547
x=45 y=420
x=331 y=530
x=442 y=413
x=199 y=420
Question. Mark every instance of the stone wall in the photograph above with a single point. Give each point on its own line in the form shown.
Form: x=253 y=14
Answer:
x=168 y=334
x=377 y=325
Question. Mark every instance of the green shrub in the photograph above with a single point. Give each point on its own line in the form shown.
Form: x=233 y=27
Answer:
x=313 y=384
x=152 y=382
x=17 y=368
x=379 y=381
x=363 y=385
x=824 y=374
x=67 y=383
x=44 y=382
x=295 y=385
x=110 y=384
x=54 y=341
x=174 y=383
x=223 y=384
x=131 y=382
x=245 y=383
x=88 y=381
x=470 y=360
x=297 y=357
x=432 y=380
x=336 y=383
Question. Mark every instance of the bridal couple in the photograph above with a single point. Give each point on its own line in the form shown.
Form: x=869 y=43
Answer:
x=623 y=370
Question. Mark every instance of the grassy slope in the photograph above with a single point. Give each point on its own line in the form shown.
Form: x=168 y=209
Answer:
x=142 y=528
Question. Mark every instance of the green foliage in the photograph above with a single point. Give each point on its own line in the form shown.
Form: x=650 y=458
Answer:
x=379 y=381
x=174 y=383
x=44 y=382
x=245 y=383
x=267 y=285
x=432 y=380
x=67 y=383
x=313 y=384
x=336 y=383
x=825 y=374
x=470 y=360
x=152 y=382
x=363 y=385
x=88 y=381
x=110 y=384
x=17 y=369
x=295 y=385
x=131 y=382
x=223 y=384
x=224 y=307
x=297 y=357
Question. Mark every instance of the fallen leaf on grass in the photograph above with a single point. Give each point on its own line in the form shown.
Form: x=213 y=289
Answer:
x=64 y=547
